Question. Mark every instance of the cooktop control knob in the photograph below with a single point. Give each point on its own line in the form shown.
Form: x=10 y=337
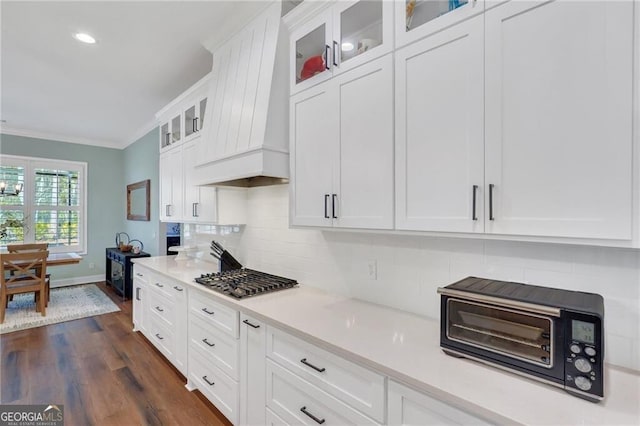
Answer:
x=590 y=351
x=582 y=365
x=575 y=348
x=583 y=383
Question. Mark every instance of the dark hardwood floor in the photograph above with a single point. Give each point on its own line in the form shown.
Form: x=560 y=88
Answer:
x=101 y=371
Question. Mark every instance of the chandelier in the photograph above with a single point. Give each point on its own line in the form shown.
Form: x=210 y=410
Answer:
x=3 y=189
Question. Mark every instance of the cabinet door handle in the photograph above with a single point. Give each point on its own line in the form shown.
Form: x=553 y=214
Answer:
x=159 y=309
x=139 y=274
x=168 y=135
x=208 y=382
x=250 y=325
x=327 y=48
x=176 y=288
x=326 y=200
x=195 y=209
x=159 y=336
x=335 y=50
x=318 y=369
x=206 y=311
x=334 y=201
x=168 y=209
x=208 y=343
x=315 y=419
x=194 y=125
x=159 y=285
x=491 y=201
x=196 y=120
x=473 y=215
x=137 y=293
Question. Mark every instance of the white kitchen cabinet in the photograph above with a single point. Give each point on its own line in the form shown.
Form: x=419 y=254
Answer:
x=199 y=201
x=140 y=282
x=558 y=129
x=440 y=131
x=335 y=38
x=342 y=150
x=171 y=132
x=193 y=115
x=253 y=341
x=171 y=185
x=408 y=407
x=415 y=19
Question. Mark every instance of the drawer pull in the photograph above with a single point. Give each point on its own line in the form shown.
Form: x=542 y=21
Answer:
x=208 y=382
x=175 y=287
x=208 y=343
x=159 y=336
x=319 y=370
x=250 y=325
x=159 y=309
x=315 y=419
x=139 y=274
x=206 y=311
x=159 y=285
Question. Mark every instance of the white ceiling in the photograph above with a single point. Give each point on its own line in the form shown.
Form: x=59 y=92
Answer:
x=148 y=52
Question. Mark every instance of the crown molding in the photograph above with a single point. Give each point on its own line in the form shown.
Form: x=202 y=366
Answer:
x=7 y=130
x=175 y=104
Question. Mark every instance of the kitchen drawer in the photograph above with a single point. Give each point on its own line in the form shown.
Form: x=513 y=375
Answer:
x=224 y=318
x=214 y=345
x=272 y=419
x=161 y=336
x=350 y=383
x=162 y=307
x=297 y=401
x=168 y=287
x=141 y=273
x=216 y=386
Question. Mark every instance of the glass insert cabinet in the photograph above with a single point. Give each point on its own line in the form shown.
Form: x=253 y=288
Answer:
x=418 y=18
x=183 y=126
x=345 y=35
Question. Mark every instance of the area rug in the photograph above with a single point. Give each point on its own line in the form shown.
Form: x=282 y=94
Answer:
x=65 y=304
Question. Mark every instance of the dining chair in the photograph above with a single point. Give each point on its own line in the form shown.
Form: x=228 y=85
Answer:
x=23 y=248
x=29 y=275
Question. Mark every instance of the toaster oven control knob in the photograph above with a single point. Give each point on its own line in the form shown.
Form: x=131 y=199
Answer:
x=590 y=351
x=582 y=365
x=575 y=348
x=583 y=383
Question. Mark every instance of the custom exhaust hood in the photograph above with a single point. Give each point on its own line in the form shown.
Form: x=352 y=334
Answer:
x=245 y=138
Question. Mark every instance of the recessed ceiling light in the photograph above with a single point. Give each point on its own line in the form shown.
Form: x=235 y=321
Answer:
x=347 y=47
x=85 y=38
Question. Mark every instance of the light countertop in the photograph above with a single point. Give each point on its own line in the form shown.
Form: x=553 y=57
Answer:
x=406 y=348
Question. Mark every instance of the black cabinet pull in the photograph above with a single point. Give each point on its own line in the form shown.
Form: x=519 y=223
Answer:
x=194 y=125
x=196 y=121
x=334 y=201
x=335 y=49
x=315 y=419
x=318 y=369
x=159 y=309
x=207 y=311
x=326 y=200
x=176 y=288
x=473 y=216
x=208 y=343
x=159 y=336
x=139 y=274
x=137 y=293
x=167 y=136
x=159 y=285
x=491 y=201
x=250 y=325
x=327 y=48
x=208 y=382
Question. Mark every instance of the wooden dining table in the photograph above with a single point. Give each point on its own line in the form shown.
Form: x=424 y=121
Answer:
x=56 y=259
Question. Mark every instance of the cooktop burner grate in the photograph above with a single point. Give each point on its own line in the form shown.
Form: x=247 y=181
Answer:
x=243 y=282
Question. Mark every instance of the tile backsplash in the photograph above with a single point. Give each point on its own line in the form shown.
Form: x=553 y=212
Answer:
x=404 y=271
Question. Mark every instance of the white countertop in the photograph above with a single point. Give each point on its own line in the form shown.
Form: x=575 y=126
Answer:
x=406 y=347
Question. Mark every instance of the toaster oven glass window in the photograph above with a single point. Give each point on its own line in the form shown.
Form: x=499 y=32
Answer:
x=520 y=335
x=583 y=331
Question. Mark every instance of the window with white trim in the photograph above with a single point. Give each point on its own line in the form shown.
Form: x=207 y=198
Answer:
x=50 y=208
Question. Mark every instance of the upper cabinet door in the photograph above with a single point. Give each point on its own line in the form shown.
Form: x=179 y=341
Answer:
x=313 y=133
x=559 y=88
x=310 y=46
x=362 y=30
x=364 y=186
x=440 y=131
x=416 y=19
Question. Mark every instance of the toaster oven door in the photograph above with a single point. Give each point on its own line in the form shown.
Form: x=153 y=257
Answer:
x=518 y=335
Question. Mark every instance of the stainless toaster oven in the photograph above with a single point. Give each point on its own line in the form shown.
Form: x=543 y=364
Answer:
x=553 y=335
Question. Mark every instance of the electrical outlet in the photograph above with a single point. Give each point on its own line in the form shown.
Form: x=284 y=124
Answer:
x=92 y=265
x=372 y=269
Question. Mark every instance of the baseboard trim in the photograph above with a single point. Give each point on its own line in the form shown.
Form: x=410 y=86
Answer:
x=64 y=282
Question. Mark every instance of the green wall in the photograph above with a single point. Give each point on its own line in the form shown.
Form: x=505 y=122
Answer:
x=109 y=172
x=140 y=162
